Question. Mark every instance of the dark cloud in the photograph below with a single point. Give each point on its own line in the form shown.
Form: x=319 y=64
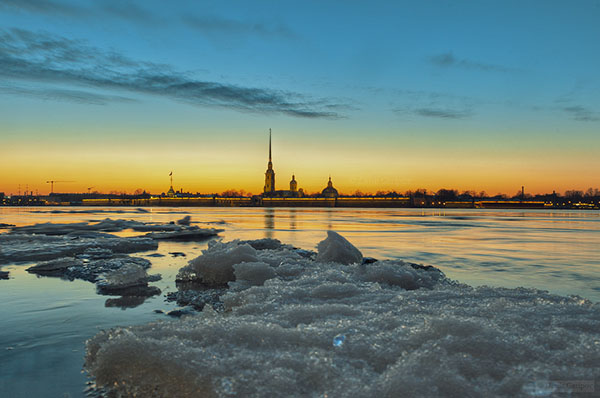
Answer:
x=29 y=56
x=447 y=60
x=228 y=27
x=47 y=7
x=582 y=114
x=56 y=94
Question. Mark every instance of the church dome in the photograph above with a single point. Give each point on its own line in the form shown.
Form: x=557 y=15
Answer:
x=330 y=191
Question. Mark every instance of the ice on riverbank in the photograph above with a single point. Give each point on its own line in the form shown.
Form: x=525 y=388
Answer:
x=292 y=326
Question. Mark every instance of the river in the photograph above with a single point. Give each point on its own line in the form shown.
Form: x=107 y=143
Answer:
x=46 y=321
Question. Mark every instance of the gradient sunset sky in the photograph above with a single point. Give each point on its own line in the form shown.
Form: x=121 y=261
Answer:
x=381 y=95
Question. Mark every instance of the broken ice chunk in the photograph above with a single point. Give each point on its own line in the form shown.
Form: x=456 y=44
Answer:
x=129 y=280
x=338 y=250
x=185 y=220
x=215 y=265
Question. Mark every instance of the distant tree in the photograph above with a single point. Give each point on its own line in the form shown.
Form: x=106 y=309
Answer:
x=230 y=193
x=447 y=194
x=139 y=191
x=358 y=193
x=468 y=195
x=574 y=194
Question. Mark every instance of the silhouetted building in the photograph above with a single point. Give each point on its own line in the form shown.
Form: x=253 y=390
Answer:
x=269 y=174
x=171 y=191
x=330 y=191
x=293 y=184
x=269 y=189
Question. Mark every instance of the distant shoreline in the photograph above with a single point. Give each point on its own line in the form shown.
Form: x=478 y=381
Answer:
x=343 y=202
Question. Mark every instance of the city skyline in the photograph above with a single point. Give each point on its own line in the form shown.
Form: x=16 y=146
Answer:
x=394 y=96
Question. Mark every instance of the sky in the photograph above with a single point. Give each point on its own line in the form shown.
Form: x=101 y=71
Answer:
x=381 y=95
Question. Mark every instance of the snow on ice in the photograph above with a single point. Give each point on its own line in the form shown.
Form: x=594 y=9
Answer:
x=293 y=325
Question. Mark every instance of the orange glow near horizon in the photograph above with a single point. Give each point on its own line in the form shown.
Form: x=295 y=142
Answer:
x=221 y=166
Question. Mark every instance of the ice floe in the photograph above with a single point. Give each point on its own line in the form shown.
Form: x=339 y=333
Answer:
x=156 y=230
x=130 y=279
x=17 y=248
x=47 y=241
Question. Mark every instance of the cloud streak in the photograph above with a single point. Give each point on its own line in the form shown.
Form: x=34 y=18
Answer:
x=448 y=60
x=228 y=27
x=45 y=7
x=35 y=57
x=58 y=94
x=581 y=113
x=442 y=113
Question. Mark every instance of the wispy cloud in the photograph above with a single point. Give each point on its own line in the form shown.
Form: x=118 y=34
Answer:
x=582 y=114
x=29 y=56
x=129 y=11
x=442 y=113
x=222 y=27
x=435 y=113
x=437 y=105
x=447 y=60
x=59 y=94
x=47 y=7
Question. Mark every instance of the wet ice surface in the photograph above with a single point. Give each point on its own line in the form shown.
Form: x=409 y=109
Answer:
x=379 y=329
x=181 y=230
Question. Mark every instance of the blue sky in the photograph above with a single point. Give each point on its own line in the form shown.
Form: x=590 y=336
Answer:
x=383 y=95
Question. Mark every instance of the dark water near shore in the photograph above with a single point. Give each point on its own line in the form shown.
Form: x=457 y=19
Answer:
x=44 y=322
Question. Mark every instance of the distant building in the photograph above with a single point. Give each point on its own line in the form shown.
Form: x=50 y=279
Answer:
x=171 y=192
x=329 y=191
x=293 y=184
x=270 y=173
x=269 y=188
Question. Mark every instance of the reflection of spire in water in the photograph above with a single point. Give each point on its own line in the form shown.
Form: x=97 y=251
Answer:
x=269 y=222
x=293 y=219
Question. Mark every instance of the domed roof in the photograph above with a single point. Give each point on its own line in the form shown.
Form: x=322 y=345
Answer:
x=330 y=191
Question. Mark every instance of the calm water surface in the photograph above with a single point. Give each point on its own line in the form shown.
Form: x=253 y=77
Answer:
x=44 y=322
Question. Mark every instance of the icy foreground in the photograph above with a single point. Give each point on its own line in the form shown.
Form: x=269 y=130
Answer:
x=295 y=326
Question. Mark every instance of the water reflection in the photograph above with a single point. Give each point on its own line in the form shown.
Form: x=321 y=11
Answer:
x=125 y=302
x=269 y=222
x=329 y=218
x=293 y=219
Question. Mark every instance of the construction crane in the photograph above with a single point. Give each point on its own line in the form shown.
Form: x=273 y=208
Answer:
x=51 y=182
x=89 y=189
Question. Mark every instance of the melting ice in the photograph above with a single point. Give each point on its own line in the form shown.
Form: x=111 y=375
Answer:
x=287 y=315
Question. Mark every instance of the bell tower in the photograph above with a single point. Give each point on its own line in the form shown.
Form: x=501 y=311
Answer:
x=269 y=174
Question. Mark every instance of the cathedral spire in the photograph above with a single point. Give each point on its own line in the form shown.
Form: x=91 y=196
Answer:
x=269 y=174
